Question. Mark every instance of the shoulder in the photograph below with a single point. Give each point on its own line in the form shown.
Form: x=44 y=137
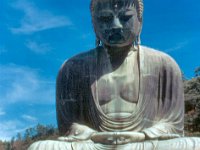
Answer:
x=77 y=63
x=157 y=54
x=161 y=59
x=79 y=60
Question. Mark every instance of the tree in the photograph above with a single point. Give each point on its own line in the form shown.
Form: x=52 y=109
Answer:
x=183 y=76
x=27 y=135
x=192 y=102
x=7 y=146
x=41 y=130
x=197 y=119
x=1 y=145
x=197 y=72
x=12 y=143
x=51 y=130
x=19 y=136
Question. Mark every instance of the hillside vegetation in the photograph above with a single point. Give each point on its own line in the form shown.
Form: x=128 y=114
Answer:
x=192 y=105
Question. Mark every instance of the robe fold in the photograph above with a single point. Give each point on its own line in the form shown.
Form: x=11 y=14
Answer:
x=160 y=106
x=159 y=110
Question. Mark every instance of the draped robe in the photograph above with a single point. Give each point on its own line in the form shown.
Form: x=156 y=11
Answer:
x=160 y=107
x=159 y=110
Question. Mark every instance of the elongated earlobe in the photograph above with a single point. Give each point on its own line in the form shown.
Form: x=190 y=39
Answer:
x=137 y=41
x=97 y=42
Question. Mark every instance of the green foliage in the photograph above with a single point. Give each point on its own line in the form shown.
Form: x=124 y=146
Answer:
x=31 y=135
x=19 y=136
x=192 y=104
x=197 y=72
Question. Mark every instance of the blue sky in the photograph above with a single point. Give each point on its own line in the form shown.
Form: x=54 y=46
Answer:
x=37 y=36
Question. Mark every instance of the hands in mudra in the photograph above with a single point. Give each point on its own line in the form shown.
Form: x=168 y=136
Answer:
x=117 y=137
x=78 y=133
x=83 y=133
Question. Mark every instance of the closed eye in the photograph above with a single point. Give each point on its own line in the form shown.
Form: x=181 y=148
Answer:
x=125 y=18
x=105 y=19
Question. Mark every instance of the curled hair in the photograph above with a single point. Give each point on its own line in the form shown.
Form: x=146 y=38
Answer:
x=137 y=3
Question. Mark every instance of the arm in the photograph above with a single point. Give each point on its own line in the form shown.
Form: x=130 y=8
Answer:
x=169 y=103
x=69 y=103
x=66 y=98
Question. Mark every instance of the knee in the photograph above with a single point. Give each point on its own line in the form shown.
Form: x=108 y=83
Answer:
x=186 y=143
x=35 y=146
x=49 y=144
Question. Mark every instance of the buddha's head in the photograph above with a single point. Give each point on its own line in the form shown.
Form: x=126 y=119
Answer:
x=117 y=23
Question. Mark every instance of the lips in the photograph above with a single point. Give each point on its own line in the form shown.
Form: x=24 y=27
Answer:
x=116 y=38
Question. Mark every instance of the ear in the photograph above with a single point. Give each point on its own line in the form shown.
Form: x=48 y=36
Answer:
x=137 y=27
x=97 y=42
x=140 y=28
x=137 y=34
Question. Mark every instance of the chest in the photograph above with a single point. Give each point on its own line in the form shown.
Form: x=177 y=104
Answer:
x=120 y=85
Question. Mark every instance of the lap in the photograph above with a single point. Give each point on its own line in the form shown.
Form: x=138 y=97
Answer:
x=173 y=144
x=180 y=144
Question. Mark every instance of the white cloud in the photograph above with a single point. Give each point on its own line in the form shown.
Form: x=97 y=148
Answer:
x=10 y=128
x=35 y=20
x=2 y=112
x=39 y=48
x=18 y=83
x=178 y=46
x=25 y=85
x=29 y=118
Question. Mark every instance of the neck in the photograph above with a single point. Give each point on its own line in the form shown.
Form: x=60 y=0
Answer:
x=114 y=51
x=117 y=55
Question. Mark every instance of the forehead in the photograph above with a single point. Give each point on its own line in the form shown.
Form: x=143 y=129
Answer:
x=113 y=4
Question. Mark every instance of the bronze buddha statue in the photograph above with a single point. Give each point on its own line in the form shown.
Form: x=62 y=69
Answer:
x=120 y=95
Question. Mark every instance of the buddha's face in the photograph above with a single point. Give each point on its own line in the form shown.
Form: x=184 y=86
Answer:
x=116 y=22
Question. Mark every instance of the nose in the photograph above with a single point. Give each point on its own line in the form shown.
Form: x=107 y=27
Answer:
x=116 y=23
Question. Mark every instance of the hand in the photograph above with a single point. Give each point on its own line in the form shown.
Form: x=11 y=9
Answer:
x=117 y=138
x=78 y=133
x=168 y=136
